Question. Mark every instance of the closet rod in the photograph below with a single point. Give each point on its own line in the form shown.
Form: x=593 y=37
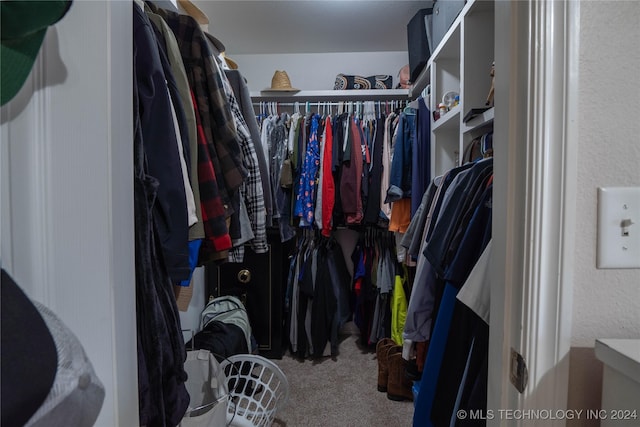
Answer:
x=327 y=103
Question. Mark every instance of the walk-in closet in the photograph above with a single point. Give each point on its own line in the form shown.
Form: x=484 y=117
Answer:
x=317 y=213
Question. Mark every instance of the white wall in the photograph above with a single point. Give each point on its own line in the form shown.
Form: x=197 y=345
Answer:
x=67 y=192
x=317 y=71
x=606 y=302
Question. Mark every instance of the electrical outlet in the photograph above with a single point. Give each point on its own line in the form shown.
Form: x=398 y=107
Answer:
x=618 y=227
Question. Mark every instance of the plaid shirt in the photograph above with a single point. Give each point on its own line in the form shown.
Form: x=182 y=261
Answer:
x=252 y=191
x=213 y=212
x=218 y=126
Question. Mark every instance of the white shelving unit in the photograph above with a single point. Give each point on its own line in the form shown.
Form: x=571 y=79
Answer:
x=460 y=63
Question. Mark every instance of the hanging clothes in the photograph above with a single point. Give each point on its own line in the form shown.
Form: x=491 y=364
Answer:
x=389 y=132
x=411 y=240
x=374 y=276
x=327 y=173
x=198 y=186
x=167 y=39
x=400 y=177
x=253 y=223
x=440 y=368
x=185 y=116
x=223 y=145
x=422 y=299
x=399 y=307
x=421 y=155
x=305 y=199
x=277 y=141
x=351 y=177
x=323 y=307
x=162 y=395
x=339 y=131
x=340 y=278
x=243 y=96
x=475 y=294
x=161 y=150
x=318 y=291
x=466 y=212
x=372 y=213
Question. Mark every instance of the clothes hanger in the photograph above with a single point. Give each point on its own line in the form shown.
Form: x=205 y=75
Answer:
x=414 y=104
x=408 y=109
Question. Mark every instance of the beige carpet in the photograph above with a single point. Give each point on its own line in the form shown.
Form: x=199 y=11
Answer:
x=340 y=392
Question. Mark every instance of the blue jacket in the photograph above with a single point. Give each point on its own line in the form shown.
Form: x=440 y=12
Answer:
x=400 y=174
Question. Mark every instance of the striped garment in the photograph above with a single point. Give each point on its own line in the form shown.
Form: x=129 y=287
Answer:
x=251 y=192
x=216 y=118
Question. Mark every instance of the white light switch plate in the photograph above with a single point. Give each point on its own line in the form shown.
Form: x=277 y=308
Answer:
x=618 y=227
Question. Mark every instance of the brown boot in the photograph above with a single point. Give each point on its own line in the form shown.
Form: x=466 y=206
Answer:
x=383 y=368
x=398 y=386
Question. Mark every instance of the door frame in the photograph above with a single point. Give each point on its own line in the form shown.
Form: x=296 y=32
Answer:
x=66 y=184
x=534 y=203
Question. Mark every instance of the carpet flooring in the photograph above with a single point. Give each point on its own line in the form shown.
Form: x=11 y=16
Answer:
x=340 y=392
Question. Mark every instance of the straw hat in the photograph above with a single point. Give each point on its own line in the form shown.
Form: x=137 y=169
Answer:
x=280 y=83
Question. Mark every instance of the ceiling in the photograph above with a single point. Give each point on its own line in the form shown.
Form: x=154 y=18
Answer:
x=310 y=26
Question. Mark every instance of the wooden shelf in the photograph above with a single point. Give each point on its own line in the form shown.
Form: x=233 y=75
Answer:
x=333 y=95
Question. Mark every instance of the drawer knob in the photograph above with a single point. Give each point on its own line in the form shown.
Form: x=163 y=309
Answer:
x=244 y=276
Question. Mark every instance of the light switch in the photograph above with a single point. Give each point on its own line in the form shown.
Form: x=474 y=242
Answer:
x=618 y=227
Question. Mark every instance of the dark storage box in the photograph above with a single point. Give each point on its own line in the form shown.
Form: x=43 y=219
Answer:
x=444 y=13
x=418 y=35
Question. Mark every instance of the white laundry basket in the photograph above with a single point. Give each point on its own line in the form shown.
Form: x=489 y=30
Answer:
x=257 y=388
x=207 y=388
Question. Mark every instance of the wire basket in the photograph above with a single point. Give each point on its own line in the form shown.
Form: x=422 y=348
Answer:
x=257 y=389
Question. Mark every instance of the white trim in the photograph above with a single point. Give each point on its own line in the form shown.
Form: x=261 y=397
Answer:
x=67 y=192
x=509 y=161
x=534 y=196
x=42 y=132
x=119 y=48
